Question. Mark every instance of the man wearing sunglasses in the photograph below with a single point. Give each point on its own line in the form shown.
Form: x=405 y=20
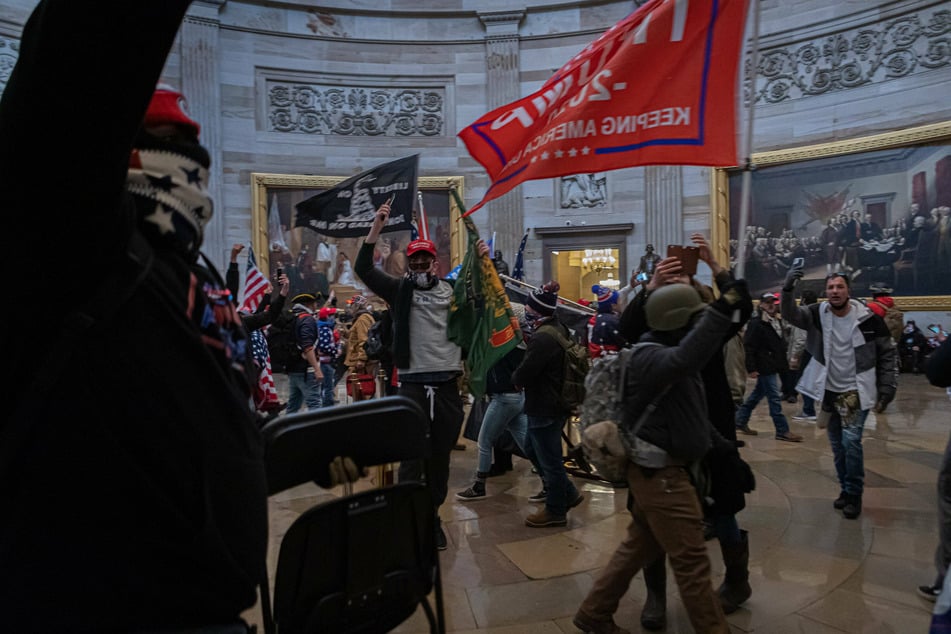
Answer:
x=428 y=364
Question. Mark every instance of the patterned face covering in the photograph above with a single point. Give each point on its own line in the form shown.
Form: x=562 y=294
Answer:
x=423 y=280
x=177 y=185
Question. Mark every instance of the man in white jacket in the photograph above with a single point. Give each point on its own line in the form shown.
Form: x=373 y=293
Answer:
x=853 y=368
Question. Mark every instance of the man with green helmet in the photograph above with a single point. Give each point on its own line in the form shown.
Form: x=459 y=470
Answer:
x=666 y=514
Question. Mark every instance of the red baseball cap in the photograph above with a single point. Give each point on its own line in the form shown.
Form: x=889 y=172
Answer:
x=326 y=312
x=168 y=106
x=421 y=245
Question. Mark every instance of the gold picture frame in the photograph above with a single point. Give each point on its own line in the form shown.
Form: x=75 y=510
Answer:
x=874 y=177
x=294 y=188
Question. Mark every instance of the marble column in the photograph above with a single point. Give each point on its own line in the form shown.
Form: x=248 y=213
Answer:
x=502 y=66
x=202 y=89
x=663 y=206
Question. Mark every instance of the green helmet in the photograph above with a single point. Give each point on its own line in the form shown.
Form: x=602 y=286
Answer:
x=671 y=307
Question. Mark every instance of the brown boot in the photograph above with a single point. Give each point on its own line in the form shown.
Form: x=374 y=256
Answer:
x=654 y=613
x=735 y=588
x=590 y=626
x=544 y=518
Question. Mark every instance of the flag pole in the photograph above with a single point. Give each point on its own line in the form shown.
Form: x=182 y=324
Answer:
x=748 y=167
x=561 y=300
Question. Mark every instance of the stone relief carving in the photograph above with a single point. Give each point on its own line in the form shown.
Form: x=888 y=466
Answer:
x=907 y=44
x=9 y=53
x=584 y=190
x=355 y=111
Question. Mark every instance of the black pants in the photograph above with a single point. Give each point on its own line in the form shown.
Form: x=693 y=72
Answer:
x=442 y=405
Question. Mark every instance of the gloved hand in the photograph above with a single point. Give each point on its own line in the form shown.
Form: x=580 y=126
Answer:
x=793 y=275
x=884 y=398
x=341 y=470
x=732 y=295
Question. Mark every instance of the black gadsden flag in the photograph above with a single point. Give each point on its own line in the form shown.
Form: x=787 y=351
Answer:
x=347 y=210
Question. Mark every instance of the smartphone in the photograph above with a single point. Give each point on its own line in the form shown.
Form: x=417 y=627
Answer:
x=688 y=257
x=641 y=277
x=280 y=272
x=934 y=329
x=798 y=263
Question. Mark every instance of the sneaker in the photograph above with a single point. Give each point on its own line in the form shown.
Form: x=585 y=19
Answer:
x=590 y=626
x=789 y=437
x=543 y=518
x=929 y=593
x=804 y=416
x=475 y=492
x=575 y=502
x=541 y=496
x=745 y=429
x=441 y=542
x=839 y=503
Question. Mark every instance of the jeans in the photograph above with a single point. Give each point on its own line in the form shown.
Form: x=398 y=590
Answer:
x=504 y=410
x=302 y=388
x=665 y=517
x=942 y=555
x=545 y=436
x=766 y=385
x=326 y=386
x=808 y=405
x=847 y=455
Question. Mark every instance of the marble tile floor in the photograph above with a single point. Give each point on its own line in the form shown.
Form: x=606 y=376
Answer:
x=811 y=570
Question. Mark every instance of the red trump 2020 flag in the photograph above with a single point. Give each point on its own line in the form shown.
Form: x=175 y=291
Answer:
x=658 y=88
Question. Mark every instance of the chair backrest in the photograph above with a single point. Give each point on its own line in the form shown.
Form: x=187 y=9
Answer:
x=364 y=562
x=299 y=447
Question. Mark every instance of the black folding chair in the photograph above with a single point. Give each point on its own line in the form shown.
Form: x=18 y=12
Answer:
x=364 y=562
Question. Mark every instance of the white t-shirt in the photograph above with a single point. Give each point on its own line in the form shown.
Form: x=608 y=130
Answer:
x=840 y=362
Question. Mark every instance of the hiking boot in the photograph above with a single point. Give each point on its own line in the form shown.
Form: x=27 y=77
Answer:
x=804 y=416
x=852 y=508
x=543 y=518
x=745 y=429
x=475 y=492
x=929 y=593
x=541 y=496
x=789 y=437
x=839 y=503
x=498 y=469
x=575 y=502
x=590 y=626
x=654 y=612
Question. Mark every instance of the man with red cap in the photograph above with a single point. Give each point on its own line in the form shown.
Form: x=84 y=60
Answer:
x=428 y=363
x=131 y=466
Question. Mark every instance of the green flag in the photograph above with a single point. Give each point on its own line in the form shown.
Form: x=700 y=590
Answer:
x=481 y=320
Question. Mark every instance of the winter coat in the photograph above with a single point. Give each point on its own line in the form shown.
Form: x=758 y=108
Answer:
x=876 y=362
x=765 y=348
x=541 y=372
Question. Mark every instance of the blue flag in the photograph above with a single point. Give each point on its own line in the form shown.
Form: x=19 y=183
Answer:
x=518 y=272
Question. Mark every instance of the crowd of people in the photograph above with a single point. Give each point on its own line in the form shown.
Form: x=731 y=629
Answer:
x=165 y=524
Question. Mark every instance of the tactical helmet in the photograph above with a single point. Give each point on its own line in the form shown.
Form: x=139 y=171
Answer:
x=671 y=307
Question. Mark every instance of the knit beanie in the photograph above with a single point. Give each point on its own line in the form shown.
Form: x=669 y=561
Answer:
x=545 y=299
x=168 y=176
x=607 y=298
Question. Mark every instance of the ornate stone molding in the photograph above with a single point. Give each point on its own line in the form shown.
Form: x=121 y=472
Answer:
x=313 y=108
x=871 y=53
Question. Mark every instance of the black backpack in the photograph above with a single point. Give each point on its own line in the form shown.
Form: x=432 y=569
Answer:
x=379 y=343
x=282 y=342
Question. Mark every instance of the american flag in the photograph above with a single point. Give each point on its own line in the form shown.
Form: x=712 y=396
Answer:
x=519 y=271
x=265 y=396
x=255 y=285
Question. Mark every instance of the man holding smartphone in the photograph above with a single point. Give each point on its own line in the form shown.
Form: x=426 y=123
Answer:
x=853 y=368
